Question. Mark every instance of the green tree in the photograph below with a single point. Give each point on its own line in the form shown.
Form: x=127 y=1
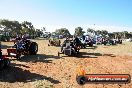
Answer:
x=62 y=31
x=27 y=27
x=79 y=31
x=38 y=32
x=125 y=33
x=13 y=27
x=98 y=32
x=90 y=30
x=104 y=33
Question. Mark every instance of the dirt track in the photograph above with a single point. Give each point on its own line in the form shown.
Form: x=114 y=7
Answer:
x=47 y=70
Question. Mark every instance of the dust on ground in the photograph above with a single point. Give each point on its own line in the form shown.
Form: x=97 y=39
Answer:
x=47 y=70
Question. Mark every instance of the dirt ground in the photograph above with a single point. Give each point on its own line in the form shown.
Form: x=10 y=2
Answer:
x=47 y=70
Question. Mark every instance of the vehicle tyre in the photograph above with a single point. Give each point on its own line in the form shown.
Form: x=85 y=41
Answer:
x=104 y=43
x=120 y=41
x=33 y=49
x=84 y=46
x=18 y=57
x=81 y=80
x=6 y=63
x=91 y=44
x=1 y=64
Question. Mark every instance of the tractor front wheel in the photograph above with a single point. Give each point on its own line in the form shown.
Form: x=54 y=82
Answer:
x=18 y=57
x=91 y=44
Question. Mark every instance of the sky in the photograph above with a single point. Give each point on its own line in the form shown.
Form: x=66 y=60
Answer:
x=110 y=15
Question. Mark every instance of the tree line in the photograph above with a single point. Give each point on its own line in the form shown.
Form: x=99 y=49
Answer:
x=79 y=32
x=122 y=35
x=15 y=27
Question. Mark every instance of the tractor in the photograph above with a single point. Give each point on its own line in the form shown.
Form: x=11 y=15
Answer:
x=86 y=40
x=109 y=42
x=54 y=42
x=119 y=41
x=70 y=49
x=23 y=47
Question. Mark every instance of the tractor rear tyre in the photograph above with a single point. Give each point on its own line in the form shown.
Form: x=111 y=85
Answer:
x=18 y=57
x=33 y=49
x=6 y=63
x=1 y=64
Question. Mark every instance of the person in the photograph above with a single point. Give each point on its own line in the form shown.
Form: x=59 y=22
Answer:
x=64 y=43
x=20 y=42
x=20 y=45
x=76 y=41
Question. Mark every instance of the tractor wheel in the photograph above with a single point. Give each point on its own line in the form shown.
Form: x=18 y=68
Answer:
x=84 y=46
x=1 y=64
x=120 y=42
x=33 y=49
x=91 y=44
x=18 y=57
x=104 y=43
x=6 y=63
x=81 y=80
x=75 y=54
